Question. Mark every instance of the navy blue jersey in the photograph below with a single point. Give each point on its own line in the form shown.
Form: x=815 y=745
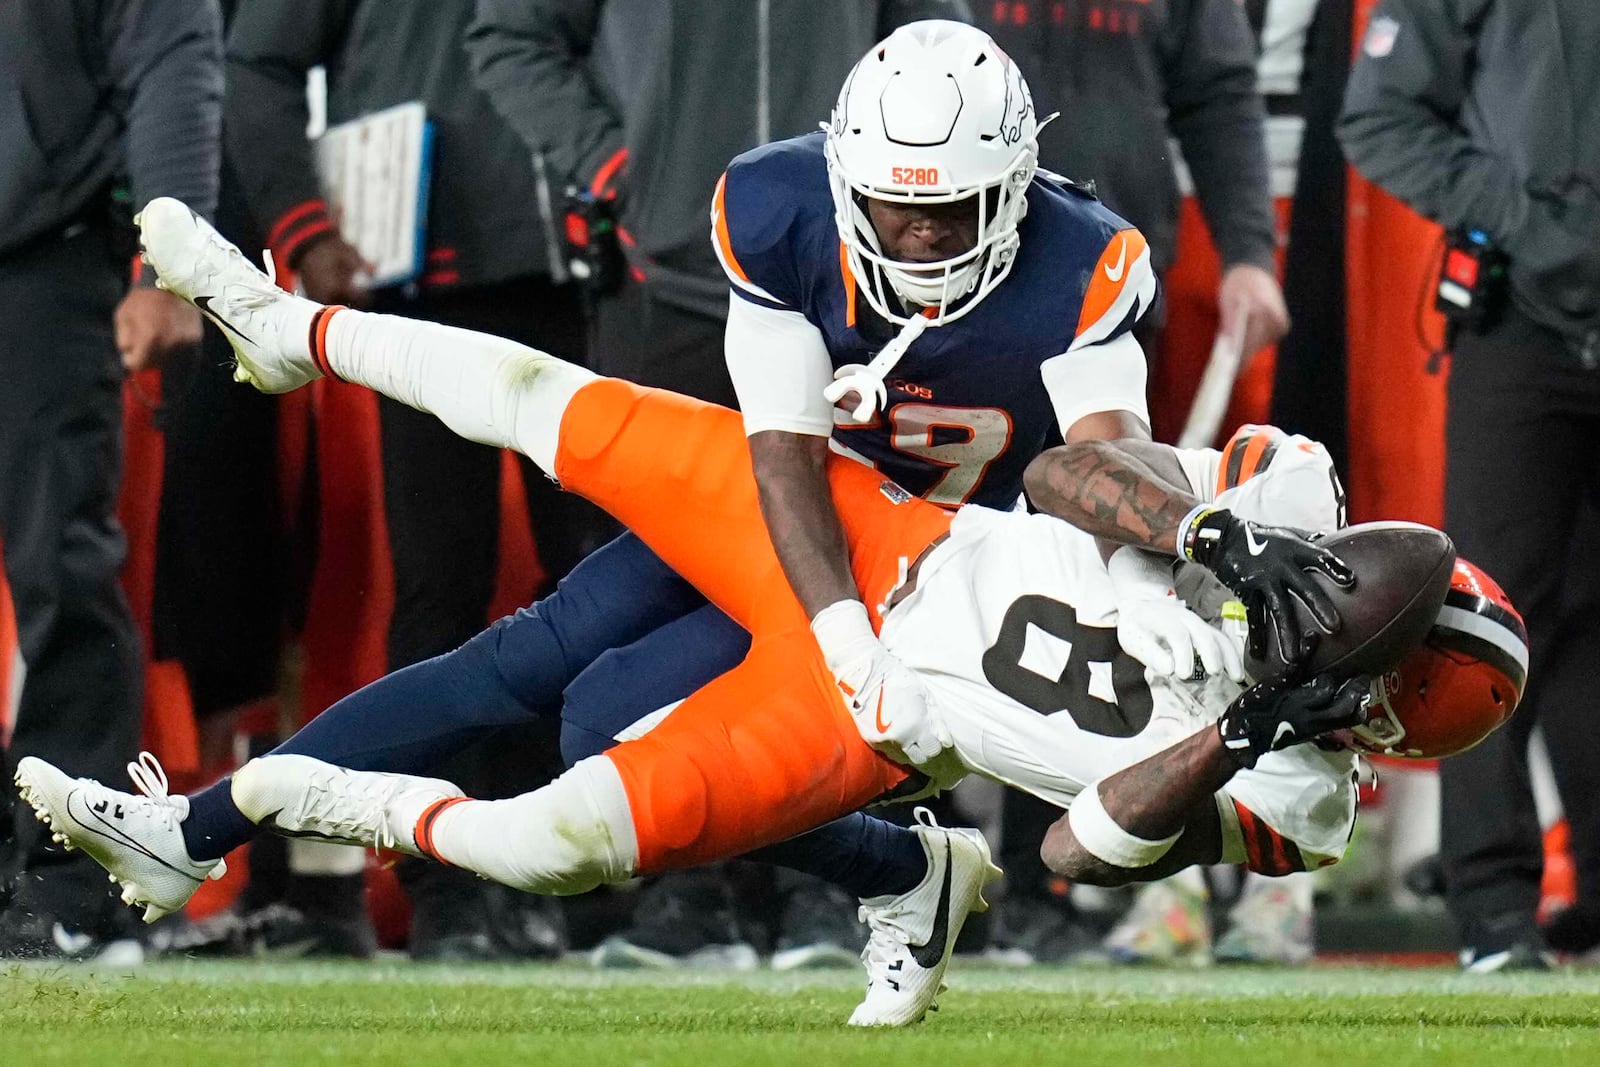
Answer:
x=974 y=400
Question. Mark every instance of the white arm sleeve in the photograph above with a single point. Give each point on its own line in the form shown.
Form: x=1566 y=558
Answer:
x=779 y=364
x=1200 y=466
x=1095 y=378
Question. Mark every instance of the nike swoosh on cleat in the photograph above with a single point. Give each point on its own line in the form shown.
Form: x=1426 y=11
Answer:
x=204 y=304
x=123 y=839
x=929 y=953
x=269 y=823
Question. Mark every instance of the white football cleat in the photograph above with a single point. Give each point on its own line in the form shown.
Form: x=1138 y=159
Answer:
x=914 y=934
x=298 y=796
x=136 y=838
x=268 y=328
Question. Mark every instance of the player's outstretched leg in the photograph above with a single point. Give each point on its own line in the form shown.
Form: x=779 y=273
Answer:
x=134 y=836
x=266 y=326
x=486 y=389
x=566 y=837
x=913 y=935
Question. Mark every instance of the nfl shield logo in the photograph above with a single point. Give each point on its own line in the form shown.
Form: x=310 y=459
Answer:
x=1379 y=41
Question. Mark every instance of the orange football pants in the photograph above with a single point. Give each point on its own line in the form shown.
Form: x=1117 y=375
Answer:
x=768 y=750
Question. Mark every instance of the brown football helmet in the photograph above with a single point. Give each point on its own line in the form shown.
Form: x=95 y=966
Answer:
x=1461 y=684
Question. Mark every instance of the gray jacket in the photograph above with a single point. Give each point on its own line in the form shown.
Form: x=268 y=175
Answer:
x=683 y=86
x=1124 y=77
x=94 y=91
x=484 y=217
x=1485 y=114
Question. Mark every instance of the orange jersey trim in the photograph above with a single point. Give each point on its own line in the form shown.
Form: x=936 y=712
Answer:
x=849 y=286
x=719 y=225
x=1248 y=452
x=1266 y=851
x=1110 y=276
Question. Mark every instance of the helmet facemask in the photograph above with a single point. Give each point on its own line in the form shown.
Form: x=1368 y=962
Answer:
x=935 y=114
x=896 y=289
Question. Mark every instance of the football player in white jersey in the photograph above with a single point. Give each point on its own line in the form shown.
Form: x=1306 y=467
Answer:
x=963 y=613
x=1010 y=619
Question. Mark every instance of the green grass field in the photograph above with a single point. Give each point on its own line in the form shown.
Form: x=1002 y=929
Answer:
x=396 y=1013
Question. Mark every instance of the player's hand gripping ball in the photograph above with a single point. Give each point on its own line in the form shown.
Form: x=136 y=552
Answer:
x=1280 y=712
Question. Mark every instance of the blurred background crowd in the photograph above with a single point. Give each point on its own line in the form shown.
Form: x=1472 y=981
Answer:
x=196 y=569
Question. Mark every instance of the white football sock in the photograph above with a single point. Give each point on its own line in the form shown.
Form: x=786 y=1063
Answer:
x=568 y=837
x=485 y=388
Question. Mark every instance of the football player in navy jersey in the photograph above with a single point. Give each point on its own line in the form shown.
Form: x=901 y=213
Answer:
x=910 y=266
x=914 y=238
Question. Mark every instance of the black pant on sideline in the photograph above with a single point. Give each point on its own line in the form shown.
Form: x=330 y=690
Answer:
x=442 y=492
x=1523 y=456
x=646 y=341
x=222 y=585
x=60 y=466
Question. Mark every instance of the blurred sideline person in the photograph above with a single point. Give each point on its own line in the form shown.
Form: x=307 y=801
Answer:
x=1485 y=116
x=108 y=105
x=487 y=266
x=1127 y=78
x=642 y=104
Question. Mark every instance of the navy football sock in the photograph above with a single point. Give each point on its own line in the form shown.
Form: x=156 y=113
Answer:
x=866 y=857
x=407 y=722
x=215 y=825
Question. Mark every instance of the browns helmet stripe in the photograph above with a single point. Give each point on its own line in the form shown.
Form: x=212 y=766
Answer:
x=1489 y=640
x=1477 y=604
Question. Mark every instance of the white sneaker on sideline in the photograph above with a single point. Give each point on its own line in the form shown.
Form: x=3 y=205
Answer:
x=135 y=837
x=298 y=796
x=268 y=328
x=914 y=934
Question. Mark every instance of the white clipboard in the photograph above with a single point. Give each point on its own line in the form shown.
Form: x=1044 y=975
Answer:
x=375 y=172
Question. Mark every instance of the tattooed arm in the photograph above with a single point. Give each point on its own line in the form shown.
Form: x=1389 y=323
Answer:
x=1171 y=791
x=1168 y=801
x=1125 y=491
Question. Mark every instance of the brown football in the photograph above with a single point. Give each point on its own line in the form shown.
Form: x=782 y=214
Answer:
x=1402 y=574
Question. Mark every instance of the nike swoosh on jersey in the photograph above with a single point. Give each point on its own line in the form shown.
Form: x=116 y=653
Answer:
x=1255 y=547
x=1122 y=263
x=883 y=727
x=930 y=952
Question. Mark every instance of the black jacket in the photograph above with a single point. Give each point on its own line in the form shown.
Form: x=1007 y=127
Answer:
x=1125 y=76
x=1485 y=114
x=485 y=222
x=683 y=86
x=94 y=91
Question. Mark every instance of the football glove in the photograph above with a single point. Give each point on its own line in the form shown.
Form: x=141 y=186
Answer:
x=1268 y=568
x=1280 y=712
x=891 y=707
x=1158 y=629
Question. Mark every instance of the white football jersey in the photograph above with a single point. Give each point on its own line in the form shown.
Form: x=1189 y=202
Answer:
x=1013 y=626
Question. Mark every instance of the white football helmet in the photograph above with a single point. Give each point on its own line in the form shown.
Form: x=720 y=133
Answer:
x=935 y=113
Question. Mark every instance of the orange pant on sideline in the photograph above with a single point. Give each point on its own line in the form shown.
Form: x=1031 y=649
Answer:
x=768 y=750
